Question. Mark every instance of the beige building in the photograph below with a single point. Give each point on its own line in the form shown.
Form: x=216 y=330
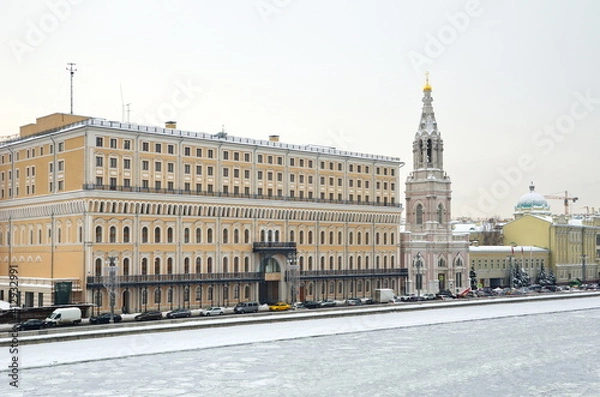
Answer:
x=191 y=219
x=493 y=264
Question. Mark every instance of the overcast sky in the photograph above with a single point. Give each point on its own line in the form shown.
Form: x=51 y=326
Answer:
x=515 y=84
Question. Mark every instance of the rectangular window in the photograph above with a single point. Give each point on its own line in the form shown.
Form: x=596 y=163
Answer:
x=127 y=182
x=211 y=153
x=259 y=159
x=99 y=161
x=170 y=149
x=170 y=185
x=157 y=147
x=236 y=156
x=236 y=172
x=61 y=186
x=127 y=144
x=157 y=166
x=127 y=164
x=209 y=171
x=145 y=165
x=99 y=141
x=145 y=146
x=198 y=170
x=99 y=181
x=247 y=157
x=113 y=143
x=113 y=162
x=198 y=152
x=246 y=174
x=170 y=167
x=187 y=169
x=259 y=175
x=187 y=151
x=225 y=172
x=157 y=185
x=225 y=155
x=61 y=165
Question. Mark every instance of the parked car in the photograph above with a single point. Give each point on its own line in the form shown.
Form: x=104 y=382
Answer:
x=212 y=311
x=429 y=297
x=179 y=313
x=310 y=305
x=151 y=315
x=279 y=307
x=328 y=303
x=104 y=318
x=246 y=307
x=28 y=325
x=354 y=302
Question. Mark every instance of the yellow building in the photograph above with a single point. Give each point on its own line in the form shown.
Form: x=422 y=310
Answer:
x=493 y=264
x=573 y=243
x=191 y=219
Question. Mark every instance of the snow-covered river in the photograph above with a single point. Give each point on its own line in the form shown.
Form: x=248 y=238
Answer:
x=545 y=348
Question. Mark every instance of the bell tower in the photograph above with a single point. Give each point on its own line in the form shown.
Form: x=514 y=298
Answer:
x=435 y=257
x=428 y=187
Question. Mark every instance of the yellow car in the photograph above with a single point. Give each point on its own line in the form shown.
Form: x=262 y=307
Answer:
x=279 y=306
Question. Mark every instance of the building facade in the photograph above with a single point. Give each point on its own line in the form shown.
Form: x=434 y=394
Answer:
x=436 y=257
x=169 y=218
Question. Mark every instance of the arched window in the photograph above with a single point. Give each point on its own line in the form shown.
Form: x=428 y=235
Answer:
x=236 y=264
x=144 y=266
x=169 y=235
x=186 y=235
x=198 y=265
x=113 y=234
x=169 y=265
x=98 y=234
x=301 y=237
x=225 y=265
x=170 y=295
x=157 y=296
x=246 y=264
x=186 y=266
x=209 y=236
x=98 y=268
x=225 y=236
x=126 y=266
x=236 y=236
x=126 y=234
x=198 y=235
x=350 y=238
x=209 y=268
x=144 y=234
x=440 y=214
x=367 y=238
x=157 y=266
x=322 y=238
x=419 y=212
x=157 y=235
x=291 y=235
x=441 y=262
x=358 y=238
x=198 y=294
x=247 y=292
x=310 y=237
x=246 y=236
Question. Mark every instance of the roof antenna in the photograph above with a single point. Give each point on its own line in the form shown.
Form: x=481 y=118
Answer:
x=71 y=70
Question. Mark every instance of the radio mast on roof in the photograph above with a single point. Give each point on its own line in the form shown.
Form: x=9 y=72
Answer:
x=72 y=70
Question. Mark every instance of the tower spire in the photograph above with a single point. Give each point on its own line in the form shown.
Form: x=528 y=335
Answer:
x=427 y=86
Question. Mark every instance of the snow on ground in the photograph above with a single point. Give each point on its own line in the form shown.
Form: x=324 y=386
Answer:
x=536 y=348
x=152 y=343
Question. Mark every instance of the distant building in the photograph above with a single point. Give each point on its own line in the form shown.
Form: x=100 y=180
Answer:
x=437 y=258
x=191 y=219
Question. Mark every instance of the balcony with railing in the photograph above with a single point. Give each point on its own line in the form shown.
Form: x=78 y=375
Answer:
x=174 y=279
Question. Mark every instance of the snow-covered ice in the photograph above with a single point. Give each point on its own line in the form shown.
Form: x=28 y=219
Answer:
x=543 y=348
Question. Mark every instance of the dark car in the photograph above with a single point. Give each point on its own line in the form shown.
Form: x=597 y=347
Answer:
x=152 y=315
x=104 y=318
x=179 y=313
x=29 y=325
x=311 y=305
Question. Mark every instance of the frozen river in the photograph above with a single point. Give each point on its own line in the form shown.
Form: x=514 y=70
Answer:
x=529 y=349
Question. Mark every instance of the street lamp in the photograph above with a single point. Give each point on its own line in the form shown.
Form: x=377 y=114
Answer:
x=110 y=285
x=418 y=263
x=292 y=276
x=583 y=256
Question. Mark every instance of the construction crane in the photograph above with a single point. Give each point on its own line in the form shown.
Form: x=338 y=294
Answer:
x=566 y=199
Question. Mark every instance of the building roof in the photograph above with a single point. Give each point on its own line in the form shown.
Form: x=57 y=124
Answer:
x=532 y=203
x=508 y=249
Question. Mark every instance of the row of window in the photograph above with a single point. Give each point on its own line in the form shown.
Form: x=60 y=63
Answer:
x=225 y=239
x=306 y=263
x=236 y=156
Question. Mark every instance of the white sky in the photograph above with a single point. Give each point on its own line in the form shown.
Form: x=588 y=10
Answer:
x=343 y=73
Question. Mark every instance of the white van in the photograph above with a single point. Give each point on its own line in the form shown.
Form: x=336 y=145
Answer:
x=64 y=316
x=246 y=307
